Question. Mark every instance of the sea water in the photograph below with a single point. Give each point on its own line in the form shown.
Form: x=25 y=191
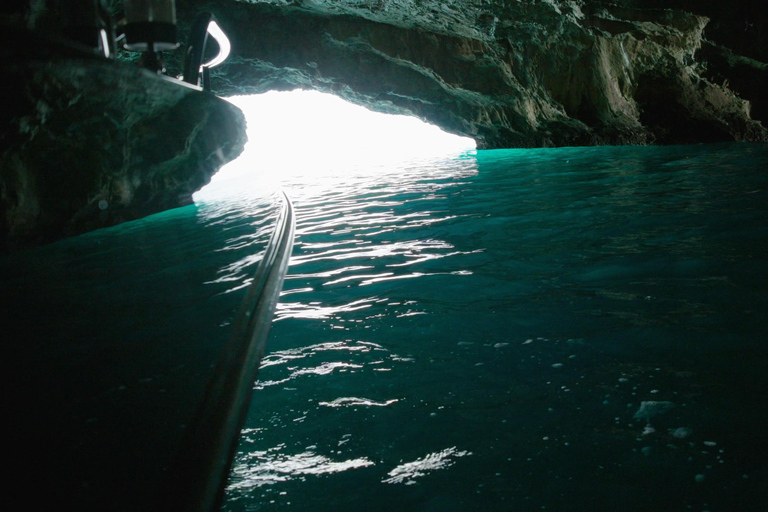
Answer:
x=569 y=329
x=551 y=329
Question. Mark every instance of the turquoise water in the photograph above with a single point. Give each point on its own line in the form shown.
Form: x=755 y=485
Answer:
x=480 y=334
x=561 y=329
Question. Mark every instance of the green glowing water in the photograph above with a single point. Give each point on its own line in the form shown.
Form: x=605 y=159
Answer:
x=563 y=329
x=481 y=334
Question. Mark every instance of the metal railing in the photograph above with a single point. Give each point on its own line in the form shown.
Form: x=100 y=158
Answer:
x=198 y=475
x=205 y=25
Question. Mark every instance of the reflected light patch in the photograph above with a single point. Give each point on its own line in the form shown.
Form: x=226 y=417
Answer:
x=408 y=472
x=306 y=133
x=272 y=467
x=351 y=401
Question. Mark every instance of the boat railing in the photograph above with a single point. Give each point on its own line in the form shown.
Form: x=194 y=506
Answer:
x=196 y=70
x=197 y=478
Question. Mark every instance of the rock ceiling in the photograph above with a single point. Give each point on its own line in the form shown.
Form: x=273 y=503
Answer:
x=509 y=73
x=85 y=141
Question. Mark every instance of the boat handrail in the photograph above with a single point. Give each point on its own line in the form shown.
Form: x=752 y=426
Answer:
x=197 y=478
x=205 y=25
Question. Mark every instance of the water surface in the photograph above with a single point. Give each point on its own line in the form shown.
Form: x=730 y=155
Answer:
x=482 y=333
x=563 y=329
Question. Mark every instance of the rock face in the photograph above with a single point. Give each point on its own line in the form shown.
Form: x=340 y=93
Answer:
x=508 y=73
x=89 y=142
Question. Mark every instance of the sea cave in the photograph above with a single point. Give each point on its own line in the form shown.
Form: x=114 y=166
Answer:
x=559 y=306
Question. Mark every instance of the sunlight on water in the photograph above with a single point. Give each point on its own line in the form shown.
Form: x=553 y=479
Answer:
x=516 y=330
x=272 y=466
x=408 y=472
x=303 y=133
x=568 y=329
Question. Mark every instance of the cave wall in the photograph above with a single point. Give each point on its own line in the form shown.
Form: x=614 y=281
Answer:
x=734 y=50
x=89 y=142
x=739 y=25
x=509 y=73
x=524 y=73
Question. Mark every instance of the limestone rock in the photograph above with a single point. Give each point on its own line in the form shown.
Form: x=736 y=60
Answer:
x=80 y=149
x=746 y=77
x=89 y=142
x=509 y=74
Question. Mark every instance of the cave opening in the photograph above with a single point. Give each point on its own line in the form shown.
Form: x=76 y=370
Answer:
x=309 y=133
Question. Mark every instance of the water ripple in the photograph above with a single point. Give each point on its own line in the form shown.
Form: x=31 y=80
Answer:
x=271 y=467
x=408 y=472
x=351 y=401
x=322 y=359
x=521 y=317
x=316 y=310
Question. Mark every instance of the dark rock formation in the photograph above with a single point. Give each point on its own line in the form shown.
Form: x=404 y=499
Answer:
x=507 y=73
x=740 y=25
x=88 y=142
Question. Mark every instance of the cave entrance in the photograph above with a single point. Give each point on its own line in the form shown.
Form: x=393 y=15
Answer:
x=312 y=133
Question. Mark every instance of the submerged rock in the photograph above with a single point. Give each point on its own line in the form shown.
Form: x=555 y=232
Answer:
x=681 y=432
x=649 y=409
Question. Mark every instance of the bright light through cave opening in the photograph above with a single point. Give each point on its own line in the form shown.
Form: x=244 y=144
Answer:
x=311 y=133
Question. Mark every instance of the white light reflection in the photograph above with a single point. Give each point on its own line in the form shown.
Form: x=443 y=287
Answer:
x=286 y=356
x=271 y=468
x=224 y=46
x=408 y=472
x=293 y=364
x=351 y=401
x=317 y=311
